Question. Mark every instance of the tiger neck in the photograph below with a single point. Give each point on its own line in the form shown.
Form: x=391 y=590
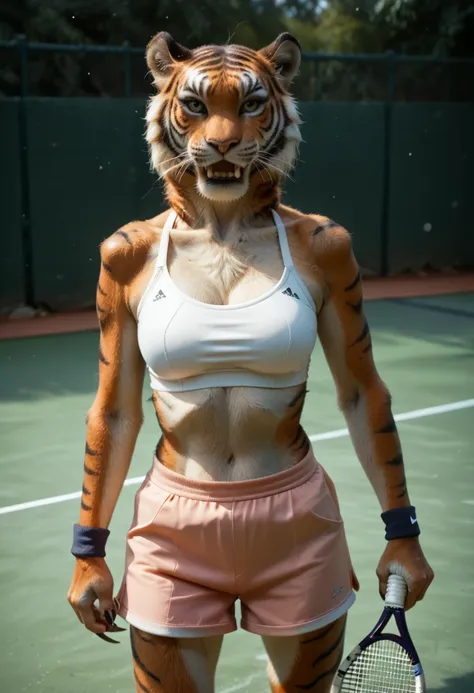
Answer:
x=222 y=218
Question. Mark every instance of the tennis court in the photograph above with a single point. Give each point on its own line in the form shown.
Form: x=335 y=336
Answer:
x=424 y=348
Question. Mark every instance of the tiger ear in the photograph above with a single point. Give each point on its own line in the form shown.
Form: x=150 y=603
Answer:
x=162 y=53
x=285 y=56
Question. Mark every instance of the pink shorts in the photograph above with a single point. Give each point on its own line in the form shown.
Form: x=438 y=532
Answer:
x=276 y=543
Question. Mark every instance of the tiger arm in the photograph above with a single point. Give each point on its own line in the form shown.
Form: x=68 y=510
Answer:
x=114 y=419
x=363 y=397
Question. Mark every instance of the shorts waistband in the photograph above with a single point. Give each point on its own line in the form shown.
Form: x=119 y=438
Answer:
x=234 y=490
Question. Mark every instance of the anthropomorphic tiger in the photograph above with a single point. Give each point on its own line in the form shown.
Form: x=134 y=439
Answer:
x=221 y=298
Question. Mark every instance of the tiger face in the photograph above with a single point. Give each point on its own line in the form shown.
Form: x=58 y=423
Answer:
x=222 y=114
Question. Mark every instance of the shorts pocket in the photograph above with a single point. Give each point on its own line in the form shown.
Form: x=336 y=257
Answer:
x=149 y=500
x=323 y=504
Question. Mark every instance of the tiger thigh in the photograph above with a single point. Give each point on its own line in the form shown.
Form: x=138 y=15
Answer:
x=174 y=665
x=305 y=662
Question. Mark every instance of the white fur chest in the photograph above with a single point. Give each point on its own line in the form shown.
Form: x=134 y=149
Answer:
x=225 y=273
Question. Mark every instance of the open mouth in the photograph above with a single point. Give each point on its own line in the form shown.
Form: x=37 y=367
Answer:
x=223 y=172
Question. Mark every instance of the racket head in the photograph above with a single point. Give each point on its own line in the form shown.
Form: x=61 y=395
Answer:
x=384 y=662
x=382 y=665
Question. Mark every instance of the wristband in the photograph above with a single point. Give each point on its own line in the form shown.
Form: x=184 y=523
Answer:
x=89 y=542
x=400 y=523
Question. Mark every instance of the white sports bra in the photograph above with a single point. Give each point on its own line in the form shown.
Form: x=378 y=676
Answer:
x=188 y=345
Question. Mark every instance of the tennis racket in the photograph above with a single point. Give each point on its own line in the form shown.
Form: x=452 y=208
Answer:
x=384 y=662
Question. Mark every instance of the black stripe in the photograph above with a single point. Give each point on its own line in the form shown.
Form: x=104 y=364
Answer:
x=85 y=491
x=276 y=130
x=354 y=400
x=320 y=635
x=100 y=309
x=208 y=63
x=304 y=441
x=107 y=268
x=180 y=125
x=389 y=427
x=124 y=234
x=165 y=138
x=100 y=290
x=299 y=431
x=302 y=393
x=278 y=146
x=239 y=58
x=395 y=461
x=367 y=348
x=90 y=451
x=171 y=83
x=323 y=227
x=140 y=685
x=85 y=507
x=139 y=662
x=363 y=334
x=172 y=133
x=273 y=119
x=237 y=64
x=105 y=321
x=241 y=51
x=331 y=648
x=159 y=445
x=314 y=683
x=356 y=307
x=353 y=284
x=90 y=471
x=102 y=358
x=402 y=488
x=204 y=54
x=272 y=149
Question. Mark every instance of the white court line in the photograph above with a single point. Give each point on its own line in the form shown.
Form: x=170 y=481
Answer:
x=242 y=684
x=329 y=435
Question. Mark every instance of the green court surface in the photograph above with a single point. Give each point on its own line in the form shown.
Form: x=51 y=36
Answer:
x=424 y=349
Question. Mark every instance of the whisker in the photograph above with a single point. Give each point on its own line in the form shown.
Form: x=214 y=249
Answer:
x=271 y=158
x=260 y=169
x=270 y=165
x=176 y=166
x=185 y=166
x=179 y=156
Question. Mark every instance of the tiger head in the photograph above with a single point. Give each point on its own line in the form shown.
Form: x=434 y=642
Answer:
x=222 y=118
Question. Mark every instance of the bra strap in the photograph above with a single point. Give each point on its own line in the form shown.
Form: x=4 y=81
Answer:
x=164 y=242
x=284 y=247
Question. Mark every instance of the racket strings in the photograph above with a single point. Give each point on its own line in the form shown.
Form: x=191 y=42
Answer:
x=383 y=667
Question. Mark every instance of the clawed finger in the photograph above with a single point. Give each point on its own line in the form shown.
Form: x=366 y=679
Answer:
x=112 y=628
x=109 y=616
x=105 y=637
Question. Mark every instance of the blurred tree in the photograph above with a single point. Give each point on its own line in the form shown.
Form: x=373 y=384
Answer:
x=444 y=27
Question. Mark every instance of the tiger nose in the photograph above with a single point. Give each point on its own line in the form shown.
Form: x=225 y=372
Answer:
x=223 y=146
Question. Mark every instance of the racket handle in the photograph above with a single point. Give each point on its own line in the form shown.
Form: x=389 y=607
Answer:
x=396 y=592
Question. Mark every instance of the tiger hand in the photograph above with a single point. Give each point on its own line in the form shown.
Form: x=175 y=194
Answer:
x=405 y=557
x=91 y=596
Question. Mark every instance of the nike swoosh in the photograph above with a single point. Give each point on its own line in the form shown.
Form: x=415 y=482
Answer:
x=413 y=521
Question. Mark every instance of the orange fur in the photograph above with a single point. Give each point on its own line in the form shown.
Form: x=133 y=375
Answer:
x=290 y=434
x=351 y=360
x=218 y=424
x=158 y=665
x=310 y=660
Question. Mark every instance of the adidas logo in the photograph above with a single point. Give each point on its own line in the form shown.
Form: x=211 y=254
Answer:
x=289 y=292
x=159 y=295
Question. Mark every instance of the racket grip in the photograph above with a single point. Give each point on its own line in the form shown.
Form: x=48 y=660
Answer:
x=396 y=592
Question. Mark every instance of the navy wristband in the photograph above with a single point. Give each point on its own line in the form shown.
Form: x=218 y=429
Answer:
x=89 y=542
x=400 y=523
